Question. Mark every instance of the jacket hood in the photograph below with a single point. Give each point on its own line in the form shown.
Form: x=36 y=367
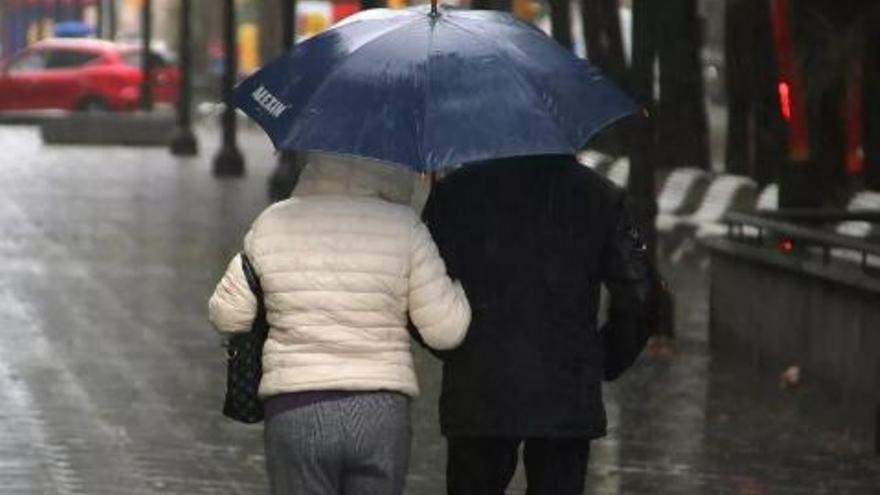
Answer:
x=343 y=175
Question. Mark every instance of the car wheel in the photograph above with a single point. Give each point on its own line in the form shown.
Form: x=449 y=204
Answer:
x=92 y=104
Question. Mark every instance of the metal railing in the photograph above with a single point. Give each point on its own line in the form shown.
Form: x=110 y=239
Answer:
x=819 y=216
x=790 y=236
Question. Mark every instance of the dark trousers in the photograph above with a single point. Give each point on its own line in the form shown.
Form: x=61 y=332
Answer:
x=485 y=465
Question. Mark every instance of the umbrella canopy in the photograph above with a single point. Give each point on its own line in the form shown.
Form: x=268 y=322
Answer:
x=430 y=90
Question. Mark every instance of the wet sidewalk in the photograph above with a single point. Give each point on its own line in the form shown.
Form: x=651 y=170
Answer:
x=111 y=378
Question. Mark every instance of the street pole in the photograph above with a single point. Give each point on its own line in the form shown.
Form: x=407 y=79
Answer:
x=288 y=24
x=290 y=164
x=146 y=59
x=99 y=29
x=184 y=142
x=229 y=162
x=111 y=19
x=41 y=21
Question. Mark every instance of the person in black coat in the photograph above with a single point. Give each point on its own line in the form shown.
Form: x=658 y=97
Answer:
x=532 y=239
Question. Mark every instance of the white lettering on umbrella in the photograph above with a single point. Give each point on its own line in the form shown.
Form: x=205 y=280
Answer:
x=268 y=101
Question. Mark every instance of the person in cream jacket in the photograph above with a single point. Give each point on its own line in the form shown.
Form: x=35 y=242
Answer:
x=343 y=264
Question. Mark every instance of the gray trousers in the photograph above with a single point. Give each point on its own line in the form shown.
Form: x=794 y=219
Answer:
x=359 y=445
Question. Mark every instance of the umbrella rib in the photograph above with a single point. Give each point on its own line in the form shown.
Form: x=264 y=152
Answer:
x=537 y=33
x=424 y=144
x=520 y=78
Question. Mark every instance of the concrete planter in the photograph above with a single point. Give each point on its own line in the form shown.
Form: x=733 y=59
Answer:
x=109 y=128
x=777 y=309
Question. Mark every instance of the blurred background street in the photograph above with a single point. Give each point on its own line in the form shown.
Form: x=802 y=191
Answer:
x=111 y=379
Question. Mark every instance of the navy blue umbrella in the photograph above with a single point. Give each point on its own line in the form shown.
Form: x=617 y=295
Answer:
x=428 y=90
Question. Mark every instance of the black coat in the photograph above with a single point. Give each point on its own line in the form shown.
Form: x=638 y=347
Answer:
x=531 y=240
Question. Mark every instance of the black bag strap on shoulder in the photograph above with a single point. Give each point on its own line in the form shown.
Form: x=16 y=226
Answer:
x=251 y=275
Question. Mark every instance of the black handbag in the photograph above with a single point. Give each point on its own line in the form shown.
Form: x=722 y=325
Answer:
x=244 y=366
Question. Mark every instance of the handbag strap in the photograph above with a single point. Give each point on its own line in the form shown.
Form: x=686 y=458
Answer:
x=252 y=279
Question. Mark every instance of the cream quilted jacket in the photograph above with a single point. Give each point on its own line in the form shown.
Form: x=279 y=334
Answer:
x=341 y=264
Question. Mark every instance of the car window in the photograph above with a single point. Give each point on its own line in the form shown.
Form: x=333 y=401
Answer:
x=67 y=59
x=31 y=62
x=133 y=58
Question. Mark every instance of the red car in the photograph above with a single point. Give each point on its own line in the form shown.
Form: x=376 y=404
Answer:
x=82 y=74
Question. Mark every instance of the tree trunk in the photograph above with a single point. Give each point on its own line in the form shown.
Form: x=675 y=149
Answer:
x=593 y=26
x=739 y=52
x=602 y=35
x=643 y=145
x=601 y=24
x=871 y=110
x=615 y=59
x=682 y=131
x=819 y=39
x=756 y=135
x=560 y=20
